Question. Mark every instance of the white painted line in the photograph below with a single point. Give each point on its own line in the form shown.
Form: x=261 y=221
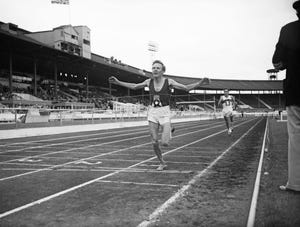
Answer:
x=61 y=170
x=189 y=163
x=202 y=155
x=138 y=183
x=22 y=164
x=108 y=169
x=252 y=211
x=161 y=209
x=134 y=160
x=103 y=177
x=13 y=156
x=281 y=120
x=29 y=160
x=87 y=163
x=60 y=158
x=140 y=170
x=17 y=169
x=153 y=165
x=67 y=163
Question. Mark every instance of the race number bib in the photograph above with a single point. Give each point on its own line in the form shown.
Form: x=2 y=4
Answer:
x=156 y=101
x=228 y=102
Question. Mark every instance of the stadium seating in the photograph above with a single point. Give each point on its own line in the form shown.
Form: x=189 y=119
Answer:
x=276 y=101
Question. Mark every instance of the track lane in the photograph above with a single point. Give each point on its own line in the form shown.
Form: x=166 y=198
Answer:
x=147 y=160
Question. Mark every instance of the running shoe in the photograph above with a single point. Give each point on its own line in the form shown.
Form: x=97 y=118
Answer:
x=161 y=167
x=285 y=188
x=229 y=131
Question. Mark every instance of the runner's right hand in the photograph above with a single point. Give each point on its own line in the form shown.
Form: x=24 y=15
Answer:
x=113 y=80
x=206 y=80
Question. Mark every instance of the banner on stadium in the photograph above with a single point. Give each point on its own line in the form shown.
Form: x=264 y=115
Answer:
x=65 y=2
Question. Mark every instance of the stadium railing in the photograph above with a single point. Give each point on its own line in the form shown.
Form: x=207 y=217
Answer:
x=24 y=117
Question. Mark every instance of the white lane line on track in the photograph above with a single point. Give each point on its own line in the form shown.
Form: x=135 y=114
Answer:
x=9 y=155
x=85 y=135
x=29 y=164
x=128 y=148
x=26 y=160
x=161 y=209
x=252 y=210
x=18 y=209
x=108 y=169
x=24 y=157
x=84 y=140
x=203 y=154
x=138 y=183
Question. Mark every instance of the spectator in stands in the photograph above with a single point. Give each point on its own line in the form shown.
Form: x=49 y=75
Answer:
x=287 y=56
x=159 y=109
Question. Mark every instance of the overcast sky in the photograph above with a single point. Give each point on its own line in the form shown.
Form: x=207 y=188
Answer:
x=225 y=39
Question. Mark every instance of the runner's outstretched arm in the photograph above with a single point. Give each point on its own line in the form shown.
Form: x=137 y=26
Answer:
x=220 y=100
x=175 y=84
x=133 y=86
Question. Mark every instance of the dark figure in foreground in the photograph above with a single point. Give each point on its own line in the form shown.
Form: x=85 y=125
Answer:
x=287 y=56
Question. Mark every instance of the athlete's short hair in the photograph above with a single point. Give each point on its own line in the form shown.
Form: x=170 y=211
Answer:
x=160 y=62
x=296 y=5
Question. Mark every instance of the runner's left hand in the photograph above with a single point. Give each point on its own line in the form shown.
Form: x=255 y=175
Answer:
x=205 y=81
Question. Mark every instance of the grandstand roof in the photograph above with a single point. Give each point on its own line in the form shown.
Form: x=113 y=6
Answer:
x=217 y=84
x=100 y=68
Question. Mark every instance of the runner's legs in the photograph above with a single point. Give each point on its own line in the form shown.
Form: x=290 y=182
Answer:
x=166 y=134
x=154 y=127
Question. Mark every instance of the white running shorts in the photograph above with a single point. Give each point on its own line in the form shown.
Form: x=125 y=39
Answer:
x=227 y=111
x=159 y=115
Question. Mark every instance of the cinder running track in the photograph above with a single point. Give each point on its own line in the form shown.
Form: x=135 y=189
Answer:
x=107 y=178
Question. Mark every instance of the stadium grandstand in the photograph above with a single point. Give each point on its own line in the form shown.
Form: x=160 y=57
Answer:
x=56 y=69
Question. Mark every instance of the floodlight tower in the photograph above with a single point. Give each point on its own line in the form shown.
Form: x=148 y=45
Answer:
x=152 y=48
x=272 y=74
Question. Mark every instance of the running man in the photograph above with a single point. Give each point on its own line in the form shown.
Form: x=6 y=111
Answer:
x=228 y=104
x=159 y=114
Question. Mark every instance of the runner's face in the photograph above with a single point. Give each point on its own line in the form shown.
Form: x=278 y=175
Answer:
x=157 y=70
x=226 y=92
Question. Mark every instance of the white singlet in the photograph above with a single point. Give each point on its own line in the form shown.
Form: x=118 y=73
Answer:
x=227 y=104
